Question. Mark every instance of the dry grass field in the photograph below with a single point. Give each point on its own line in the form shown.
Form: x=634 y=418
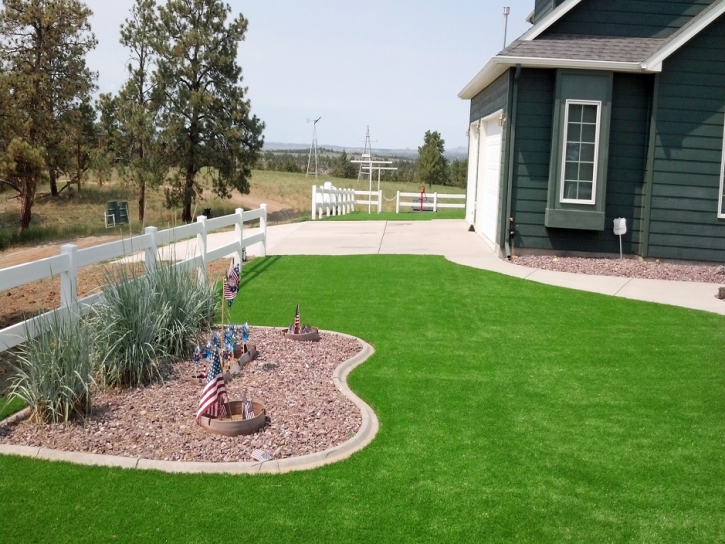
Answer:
x=80 y=213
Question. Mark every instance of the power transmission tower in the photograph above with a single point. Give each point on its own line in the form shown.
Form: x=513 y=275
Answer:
x=313 y=147
x=366 y=155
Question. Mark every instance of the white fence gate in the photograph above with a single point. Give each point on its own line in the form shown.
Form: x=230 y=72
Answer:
x=328 y=200
x=431 y=201
x=71 y=259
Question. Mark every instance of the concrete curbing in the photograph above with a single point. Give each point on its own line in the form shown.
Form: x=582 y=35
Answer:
x=368 y=429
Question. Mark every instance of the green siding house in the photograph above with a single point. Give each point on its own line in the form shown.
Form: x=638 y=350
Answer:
x=603 y=109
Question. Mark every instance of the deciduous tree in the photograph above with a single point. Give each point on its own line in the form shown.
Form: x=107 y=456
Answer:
x=205 y=118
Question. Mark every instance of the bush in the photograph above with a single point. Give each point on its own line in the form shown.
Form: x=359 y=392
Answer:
x=52 y=373
x=142 y=320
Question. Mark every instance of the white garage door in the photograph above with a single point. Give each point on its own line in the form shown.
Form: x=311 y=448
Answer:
x=487 y=192
x=472 y=171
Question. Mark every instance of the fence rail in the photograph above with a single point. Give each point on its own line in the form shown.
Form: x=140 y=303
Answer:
x=431 y=201
x=71 y=258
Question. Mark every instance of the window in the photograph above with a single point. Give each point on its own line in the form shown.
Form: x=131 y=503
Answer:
x=721 y=206
x=577 y=193
x=579 y=157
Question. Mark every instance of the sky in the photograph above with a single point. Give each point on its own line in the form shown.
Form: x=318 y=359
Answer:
x=396 y=66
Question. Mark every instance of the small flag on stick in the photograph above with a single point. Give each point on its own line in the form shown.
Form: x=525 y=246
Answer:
x=211 y=397
x=231 y=283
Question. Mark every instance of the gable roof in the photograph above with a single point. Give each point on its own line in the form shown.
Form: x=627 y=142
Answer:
x=619 y=54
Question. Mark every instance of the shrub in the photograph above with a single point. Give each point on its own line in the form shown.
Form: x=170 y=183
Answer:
x=143 y=319
x=191 y=307
x=52 y=372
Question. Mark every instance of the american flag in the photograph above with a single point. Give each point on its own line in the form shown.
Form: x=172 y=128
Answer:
x=248 y=407
x=211 y=398
x=231 y=283
x=297 y=319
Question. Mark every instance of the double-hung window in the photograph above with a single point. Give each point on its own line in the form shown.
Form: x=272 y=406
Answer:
x=721 y=204
x=580 y=152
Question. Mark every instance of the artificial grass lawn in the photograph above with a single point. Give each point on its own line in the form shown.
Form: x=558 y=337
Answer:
x=8 y=406
x=509 y=411
x=363 y=215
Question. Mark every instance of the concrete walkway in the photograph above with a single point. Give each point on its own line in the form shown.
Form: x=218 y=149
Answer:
x=451 y=239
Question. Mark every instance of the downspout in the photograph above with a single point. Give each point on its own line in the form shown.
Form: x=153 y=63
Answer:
x=508 y=220
x=649 y=173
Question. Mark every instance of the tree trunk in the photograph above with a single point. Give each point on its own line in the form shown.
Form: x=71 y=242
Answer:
x=27 y=196
x=188 y=192
x=53 y=174
x=78 y=163
x=141 y=201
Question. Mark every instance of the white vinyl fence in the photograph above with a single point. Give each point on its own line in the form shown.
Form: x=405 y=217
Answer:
x=71 y=259
x=328 y=200
x=431 y=201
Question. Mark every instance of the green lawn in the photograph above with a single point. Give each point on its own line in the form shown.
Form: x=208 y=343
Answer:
x=8 y=406
x=509 y=411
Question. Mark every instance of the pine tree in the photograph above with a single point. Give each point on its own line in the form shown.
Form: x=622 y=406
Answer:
x=205 y=118
x=43 y=44
x=432 y=166
x=138 y=105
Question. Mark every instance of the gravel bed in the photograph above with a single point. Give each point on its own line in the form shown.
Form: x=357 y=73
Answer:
x=628 y=268
x=305 y=411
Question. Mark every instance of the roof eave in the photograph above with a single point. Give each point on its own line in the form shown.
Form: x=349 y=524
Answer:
x=499 y=64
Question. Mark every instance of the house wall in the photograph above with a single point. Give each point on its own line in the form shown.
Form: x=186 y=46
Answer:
x=633 y=18
x=688 y=151
x=626 y=165
x=491 y=99
x=542 y=7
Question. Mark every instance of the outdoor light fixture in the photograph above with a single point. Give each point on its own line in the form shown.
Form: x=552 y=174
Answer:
x=502 y=120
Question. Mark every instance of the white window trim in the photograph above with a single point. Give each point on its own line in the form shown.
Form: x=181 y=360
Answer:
x=597 y=103
x=720 y=211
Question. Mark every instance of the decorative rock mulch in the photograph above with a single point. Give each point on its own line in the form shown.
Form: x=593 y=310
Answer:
x=628 y=268
x=305 y=411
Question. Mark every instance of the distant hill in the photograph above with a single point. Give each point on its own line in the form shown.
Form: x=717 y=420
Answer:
x=456 y=153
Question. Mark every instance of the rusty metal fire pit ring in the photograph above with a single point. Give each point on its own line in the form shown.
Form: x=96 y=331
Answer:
x=231 y=427
x=312 y=336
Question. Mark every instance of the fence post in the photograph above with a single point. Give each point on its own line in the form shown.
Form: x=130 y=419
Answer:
x=151 y=248
x=263 y=229
x=238 y=234
x=314 y=202
x=435 y=202
x=397 y=202
x=69 y=279
x=201 y=246
x=380 y=200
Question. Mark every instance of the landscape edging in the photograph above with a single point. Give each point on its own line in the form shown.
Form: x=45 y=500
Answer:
x=368 y=429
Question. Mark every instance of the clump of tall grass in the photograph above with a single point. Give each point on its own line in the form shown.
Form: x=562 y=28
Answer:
x=191 y=307
x=52 y=373
x=143 y=319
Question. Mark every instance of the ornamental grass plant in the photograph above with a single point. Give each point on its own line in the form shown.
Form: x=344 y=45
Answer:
x=146 y=318
x=52 y=373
